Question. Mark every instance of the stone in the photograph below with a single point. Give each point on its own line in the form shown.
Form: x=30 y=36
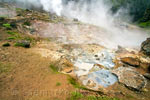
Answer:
x=130 y=78
x=91 y=83
x=131 y=60
x=136 y=60
x=121 y=50
x=147 y=75
x=145 y=47
x=65 y=66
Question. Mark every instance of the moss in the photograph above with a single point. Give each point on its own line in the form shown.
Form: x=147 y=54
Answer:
x=11 y=33
x=23 y=44
x=75 y=83
x=6 y=45
x=29 y=39
x=100 y=98
x=54 y=68
x=76 y=96
x=58 y=84
x=11 y=38
x=79 y=96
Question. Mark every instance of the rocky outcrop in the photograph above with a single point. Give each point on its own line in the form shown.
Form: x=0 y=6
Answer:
x=136 y=60
x=130 y=78
x=145 y=47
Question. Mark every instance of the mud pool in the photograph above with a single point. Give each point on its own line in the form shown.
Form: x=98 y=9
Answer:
x=96 y=69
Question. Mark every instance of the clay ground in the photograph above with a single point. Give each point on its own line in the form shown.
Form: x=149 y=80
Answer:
x=30 y=77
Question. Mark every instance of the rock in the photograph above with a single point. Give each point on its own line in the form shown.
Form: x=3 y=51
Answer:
x=131 y=60
x=147 y=75
x=65 y=66
x=121 y=50
x=75 y=19
x=145 y=47
x=2 y=18
x=91 y=83
x=130 y=78
x=136 y=60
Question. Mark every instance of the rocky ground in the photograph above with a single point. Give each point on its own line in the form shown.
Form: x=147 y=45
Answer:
x=41 y=58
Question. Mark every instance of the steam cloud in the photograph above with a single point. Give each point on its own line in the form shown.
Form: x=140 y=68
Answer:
x=96 y=12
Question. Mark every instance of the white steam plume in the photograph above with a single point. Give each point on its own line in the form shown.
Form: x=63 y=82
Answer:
x=96 y=12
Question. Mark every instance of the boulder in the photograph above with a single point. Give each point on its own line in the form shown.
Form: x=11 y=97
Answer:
x=130 y=78
x=131 y=60
x=147 y=75
x=136 y=60
x=65 y=66
x=145 y=47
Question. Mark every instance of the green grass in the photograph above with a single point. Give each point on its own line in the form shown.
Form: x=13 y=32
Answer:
x=100 y=98
x=76 y=96
x=19 y=44
x=54 y=68
x=75 y=83
x=144 y=24
x=7 y=26
x=79 y=96
x=11 y=38
x=4 y=67
x=29 y=39
x=58 y=84
x=11 y=33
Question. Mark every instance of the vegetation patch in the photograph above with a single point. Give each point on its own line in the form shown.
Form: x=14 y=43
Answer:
x=8 y=26
x=6 y=45
x=76 y=96
x=100 y=98
x=75 y=83
x=79 y=96
x=58 y=84
x=144 y=24
x=54 y=68
x=4 y=67
x=12 y=33
x=11 y=38
x=27 y=23
x=23 y=43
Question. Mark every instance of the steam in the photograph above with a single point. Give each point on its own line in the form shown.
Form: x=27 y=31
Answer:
x=95 y=12
x=54 y=6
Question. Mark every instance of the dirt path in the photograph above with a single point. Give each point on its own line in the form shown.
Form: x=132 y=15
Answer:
x=30 y=77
